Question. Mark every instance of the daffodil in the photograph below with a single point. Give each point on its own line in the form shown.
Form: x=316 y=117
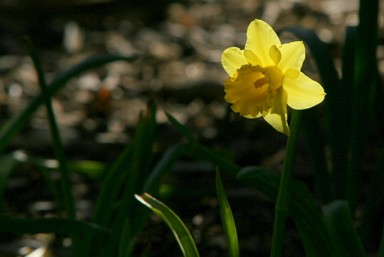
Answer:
x=265 y=77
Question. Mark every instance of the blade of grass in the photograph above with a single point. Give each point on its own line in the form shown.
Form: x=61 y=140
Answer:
x=111 y=187
x=153 y=182
x=303 y=210
x=216 y=158
x=339 y=223
x=15 y=124
x=47 y=225
x=143 y=152
x=337 y=130
x=339 y=176
x=181 y=233
x=315 y=143
x=371 y=210
x=201 y=152
x=107 y=201
x=139 y=170
x=365 y=72
x=125 y=242
x=45 y=167
x=117 y=176
x=151 y=185
x=116 y=204
x=163 y=167
x=66 y=193
x=348 y=64
x=91 y=169
x=58 y=148
x=381 y=246
x=183 y=130
x=227 y=218
x=7 y=165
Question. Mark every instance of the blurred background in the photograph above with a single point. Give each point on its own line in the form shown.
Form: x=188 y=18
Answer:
x=180 y=45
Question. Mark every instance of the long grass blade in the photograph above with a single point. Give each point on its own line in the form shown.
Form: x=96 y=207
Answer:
x=47 y=225
x=139 y=171
x=7 y=165
x=201 y=152
x=116 y=204
x=335 y=96
x=180 y=231
x=381 y=246
x=365 y=82
x=227 y=218
x=163 y=167
x=339 y=224
x=66 y=191
x=183 y=130
x=303 y=211
x=216 y=158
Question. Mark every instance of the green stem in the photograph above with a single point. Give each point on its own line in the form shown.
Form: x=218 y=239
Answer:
x=57 y=143
x=381 y=246
x=282 y=203
x=68 y=202
x=365 y=70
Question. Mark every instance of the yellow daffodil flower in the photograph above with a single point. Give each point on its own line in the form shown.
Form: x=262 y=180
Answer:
x=266 y=76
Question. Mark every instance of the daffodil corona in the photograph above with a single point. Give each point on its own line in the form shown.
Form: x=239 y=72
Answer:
x=265 y=77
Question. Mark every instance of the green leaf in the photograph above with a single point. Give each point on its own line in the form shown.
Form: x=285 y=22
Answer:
x=227 y=218
x=339 y=224
x=337 y=131
x=195 y=150
x=302 y=210
x=315 y=145
x=91 y=169
x=116 y=207
x=216 y=158
x=162 y=167
x=152 y=185
x=182 y=129
x=365 y=82
x=381 y=246
x=47 y=225
x=126 y=169
x=181 y=233
x=67 y=201
x=7 y=165
x=131 y=213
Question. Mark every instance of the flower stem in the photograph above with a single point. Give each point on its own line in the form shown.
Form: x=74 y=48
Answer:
x=282 y=203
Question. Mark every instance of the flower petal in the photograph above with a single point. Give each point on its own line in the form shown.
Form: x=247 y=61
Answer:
x=292 y=73
x=260 y=38
x=277 y=116
x=303 y=92
x=292 y=56
x=275 y=54
x=251 y=57
x=253 y=117
x=232 y=59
